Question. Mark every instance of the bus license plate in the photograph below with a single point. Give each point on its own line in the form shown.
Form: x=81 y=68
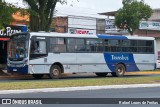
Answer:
x=14 y=69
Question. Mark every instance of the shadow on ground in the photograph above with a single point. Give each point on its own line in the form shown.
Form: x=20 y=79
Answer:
x=20 y=78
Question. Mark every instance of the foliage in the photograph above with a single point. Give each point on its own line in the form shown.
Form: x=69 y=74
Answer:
x=129 y=16
x=6 y=11
x=41 y=13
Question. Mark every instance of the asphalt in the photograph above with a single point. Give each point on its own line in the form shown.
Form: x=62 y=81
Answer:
x=139 y=92
x=84 y=88
x=132 y=91
x=95 y=95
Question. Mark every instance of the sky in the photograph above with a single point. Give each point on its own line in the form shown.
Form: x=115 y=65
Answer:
x=88 y=7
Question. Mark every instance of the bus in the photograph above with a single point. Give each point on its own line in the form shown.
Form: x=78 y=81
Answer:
x=52 y=54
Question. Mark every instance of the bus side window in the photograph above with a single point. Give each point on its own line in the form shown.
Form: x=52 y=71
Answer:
x=133 y=49
x=57 y=45
x=91 y=43
x=42 y=47
x=133 y=46
x=107 y=49
x=80 y=45
x=71 y=44
x=38 y=47
x=61 y=45
x=145 y=46
x=32 y=47
x=94 y=45
x=114 y=45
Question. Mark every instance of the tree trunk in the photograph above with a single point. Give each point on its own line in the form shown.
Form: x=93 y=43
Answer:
x=49 y=21
x=34 y=23
x=44 y=9
x=42 y=22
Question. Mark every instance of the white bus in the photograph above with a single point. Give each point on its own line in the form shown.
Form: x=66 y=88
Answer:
x=56 y=53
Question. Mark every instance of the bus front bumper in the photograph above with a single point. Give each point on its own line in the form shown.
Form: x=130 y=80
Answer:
x=20 y=70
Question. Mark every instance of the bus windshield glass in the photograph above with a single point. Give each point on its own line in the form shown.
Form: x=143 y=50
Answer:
x=18 y=46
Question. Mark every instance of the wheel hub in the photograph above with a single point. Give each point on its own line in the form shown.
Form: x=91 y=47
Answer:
x=120 y=70
x=55 y=72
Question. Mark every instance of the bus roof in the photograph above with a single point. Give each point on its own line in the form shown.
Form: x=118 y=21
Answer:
x=122 y=37
x=102 y=36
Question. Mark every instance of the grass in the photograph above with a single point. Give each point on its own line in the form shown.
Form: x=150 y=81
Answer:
x=77 y=82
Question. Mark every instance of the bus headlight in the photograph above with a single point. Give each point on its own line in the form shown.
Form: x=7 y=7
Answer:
x=31 y=66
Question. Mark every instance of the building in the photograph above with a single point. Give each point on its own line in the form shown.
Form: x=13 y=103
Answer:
x=149 y=28
x=59 y=24
x=101 y=26
x=82 y=25
x=17 y=25
x=156 y=15
x=19 y=19
x=152 y=27
x=74 y=25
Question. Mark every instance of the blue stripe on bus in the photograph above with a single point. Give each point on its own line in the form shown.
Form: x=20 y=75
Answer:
x=101 y=36
x=112 y=59
x=21 y=70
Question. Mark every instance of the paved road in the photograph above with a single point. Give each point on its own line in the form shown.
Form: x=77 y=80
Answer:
x=108 y=93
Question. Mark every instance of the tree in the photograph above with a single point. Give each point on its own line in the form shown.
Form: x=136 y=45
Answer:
x=6 y=11
x=125 y=2
x=129 y=16
x=41 y=13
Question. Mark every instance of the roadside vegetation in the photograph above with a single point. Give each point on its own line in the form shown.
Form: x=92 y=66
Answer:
x=57 y=83
x=129 y=16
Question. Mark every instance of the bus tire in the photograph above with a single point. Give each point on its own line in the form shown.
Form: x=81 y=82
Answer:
x=119 y=71
x=101 y=74
x=37 y=76
x=55 y=72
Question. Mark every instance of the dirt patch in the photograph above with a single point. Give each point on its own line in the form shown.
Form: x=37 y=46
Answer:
x=157 y=81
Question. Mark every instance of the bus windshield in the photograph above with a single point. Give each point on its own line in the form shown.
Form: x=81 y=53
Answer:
x=18 y=46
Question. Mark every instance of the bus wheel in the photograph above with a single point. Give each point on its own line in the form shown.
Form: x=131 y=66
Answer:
x=55 y=72
x=37 y=76
x=101 y=74
x=119 y=71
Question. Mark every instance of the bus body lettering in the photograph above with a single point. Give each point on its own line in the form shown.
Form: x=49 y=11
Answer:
x=119 y=57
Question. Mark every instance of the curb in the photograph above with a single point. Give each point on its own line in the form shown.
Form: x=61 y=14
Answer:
x=85 y=88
